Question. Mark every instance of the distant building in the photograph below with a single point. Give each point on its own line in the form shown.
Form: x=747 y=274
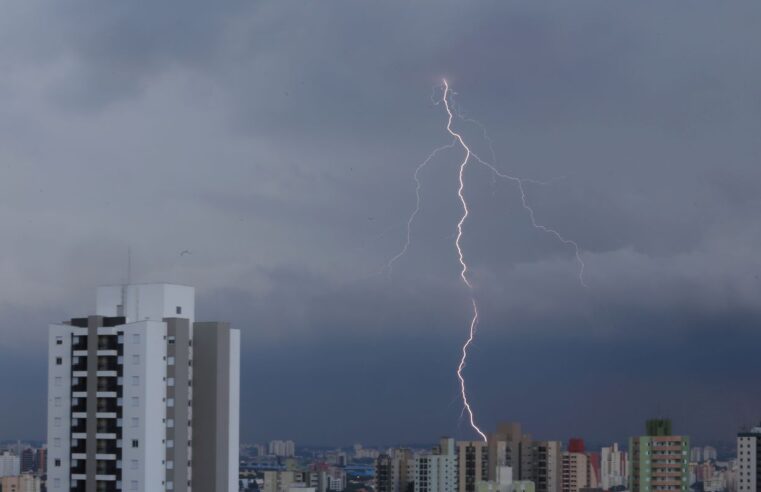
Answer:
x=26 y=482
x=529 y=460
x=472 y=464
x=710 y=454
x=614 y=466
x=437 y=471
x=27 y=460
x=696 y=455
x=504 y=483
x=384 y=474
x=41 y=461
x=509 y=446
x=404 y=470
x=574 y=469
x=283 y=449
x=749 y=460
x=659 y=459
x=280 y=481
x=10 y=464
x=545 y=466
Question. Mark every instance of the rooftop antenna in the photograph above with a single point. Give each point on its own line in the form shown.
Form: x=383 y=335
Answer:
x=129 y=265
x=121 y=310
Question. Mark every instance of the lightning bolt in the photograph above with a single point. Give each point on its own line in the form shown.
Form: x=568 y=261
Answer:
x=464 y=271
x=461 y=256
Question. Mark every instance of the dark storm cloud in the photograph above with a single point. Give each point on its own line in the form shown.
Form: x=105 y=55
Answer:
x=276 y=140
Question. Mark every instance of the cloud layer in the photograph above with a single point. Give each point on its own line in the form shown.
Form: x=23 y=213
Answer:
x=277 y=141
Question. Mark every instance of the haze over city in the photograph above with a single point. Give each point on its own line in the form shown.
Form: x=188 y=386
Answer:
x=263 y=152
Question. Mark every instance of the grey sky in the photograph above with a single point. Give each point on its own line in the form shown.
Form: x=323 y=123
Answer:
x=277 y=141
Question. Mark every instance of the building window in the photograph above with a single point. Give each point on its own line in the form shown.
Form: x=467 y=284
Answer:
x=57 y=422
x=134 y=443
x=179 y=310
x=59 y=340
x=57 y=442
x=170 y=360
x=58 y=361
x=135 y=422
x=135 y=401
x=134 y=464
x=170 y=402
x=58 y=380
x=133 y=485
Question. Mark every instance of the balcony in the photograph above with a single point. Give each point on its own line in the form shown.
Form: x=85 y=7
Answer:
x=80 y=385
x=105 y=467
x=79 y=343
x=79 y=364
x=107 y=384
x=79 y=447
x=107 y=363
x=108 y=342
x=79 y=405
x=106 y=446
x=106 y=405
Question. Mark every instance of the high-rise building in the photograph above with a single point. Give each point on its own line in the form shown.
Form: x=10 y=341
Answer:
x=659 y=459
x=613 y=467
x=384 y=473
x=404 y=470
x=546 y=466
x=141 y=397
x=509 y=446
x=472 y=464
x=575 y=466
x=10 y=464
x=27 y=460
x=749 y=460
x=41 y=461
x=437 y=471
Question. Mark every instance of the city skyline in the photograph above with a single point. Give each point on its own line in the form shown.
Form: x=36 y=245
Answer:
x=264 y=153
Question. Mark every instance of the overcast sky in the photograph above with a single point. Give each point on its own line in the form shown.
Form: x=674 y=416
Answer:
x=277 y=142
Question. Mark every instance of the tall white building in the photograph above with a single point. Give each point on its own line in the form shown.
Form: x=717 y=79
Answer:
x=749 y=460
x=141 y=397
x=437 y=471
x=614 y=465
x=10 y=464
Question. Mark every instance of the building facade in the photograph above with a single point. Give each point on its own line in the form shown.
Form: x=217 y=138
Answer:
x=749 y=460
x=10 y=464
x=614 y=466
x=659 y=459
x=437 y=471
x=129 y=391
x=546 y=466
x=472 y=464
x=26 y=482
